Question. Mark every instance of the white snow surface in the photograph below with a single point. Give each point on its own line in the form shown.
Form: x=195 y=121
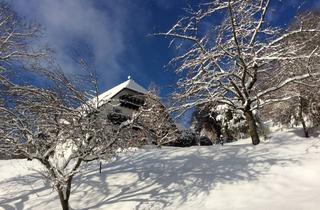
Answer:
x=281 y=173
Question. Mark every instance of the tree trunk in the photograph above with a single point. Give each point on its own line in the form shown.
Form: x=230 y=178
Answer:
x=253 y=129
x=305 y=128
x=217 y=129
x=64 y=203
x=229 y=136
x=64 y=197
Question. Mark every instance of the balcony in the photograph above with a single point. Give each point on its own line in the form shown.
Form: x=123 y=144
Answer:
x=131 y=102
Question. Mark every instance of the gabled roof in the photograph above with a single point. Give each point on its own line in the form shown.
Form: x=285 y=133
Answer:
x=129 y=84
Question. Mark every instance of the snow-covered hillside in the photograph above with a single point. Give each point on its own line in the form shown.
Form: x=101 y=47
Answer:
x=282 y=173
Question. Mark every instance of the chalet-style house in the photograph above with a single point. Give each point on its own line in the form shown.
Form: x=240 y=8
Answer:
x=121 y=101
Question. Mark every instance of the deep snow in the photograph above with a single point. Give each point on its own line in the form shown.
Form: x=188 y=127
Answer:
x=282 y=173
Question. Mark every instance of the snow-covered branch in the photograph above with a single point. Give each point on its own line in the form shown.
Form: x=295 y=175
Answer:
x=240 y=59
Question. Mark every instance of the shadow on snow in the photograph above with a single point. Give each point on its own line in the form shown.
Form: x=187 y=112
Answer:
x=157 y=179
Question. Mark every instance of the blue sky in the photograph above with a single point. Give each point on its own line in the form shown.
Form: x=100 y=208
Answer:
x=114 y=34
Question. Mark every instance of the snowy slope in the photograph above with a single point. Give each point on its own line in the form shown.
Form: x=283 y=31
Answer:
x=280 y=174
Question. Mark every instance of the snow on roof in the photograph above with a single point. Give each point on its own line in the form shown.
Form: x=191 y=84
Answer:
x=129 y=84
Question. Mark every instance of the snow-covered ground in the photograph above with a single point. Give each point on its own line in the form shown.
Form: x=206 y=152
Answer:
x=282 y=173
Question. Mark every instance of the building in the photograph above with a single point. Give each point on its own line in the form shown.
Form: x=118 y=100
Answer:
x=121 y=101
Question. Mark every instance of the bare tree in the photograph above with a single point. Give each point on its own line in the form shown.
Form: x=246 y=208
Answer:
x=44 y=125
x=60 y=126
x=303 y=95
x=228 y=50
x=16 y=39
x=155 y=121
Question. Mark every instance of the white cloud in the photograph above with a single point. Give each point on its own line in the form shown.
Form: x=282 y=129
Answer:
x=71 y=23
